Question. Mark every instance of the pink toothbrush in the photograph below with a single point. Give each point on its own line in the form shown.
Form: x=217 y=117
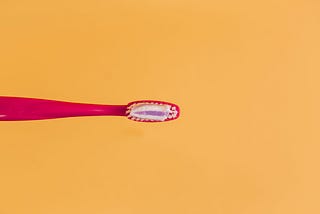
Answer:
x=19 y=108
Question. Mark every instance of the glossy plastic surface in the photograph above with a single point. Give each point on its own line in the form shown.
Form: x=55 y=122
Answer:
x=17 y=108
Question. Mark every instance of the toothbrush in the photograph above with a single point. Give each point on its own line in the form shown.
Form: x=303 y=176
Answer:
x=21 y=109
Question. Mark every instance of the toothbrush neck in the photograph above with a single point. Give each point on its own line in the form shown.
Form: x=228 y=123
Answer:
x=65 y=109
x=100 y=110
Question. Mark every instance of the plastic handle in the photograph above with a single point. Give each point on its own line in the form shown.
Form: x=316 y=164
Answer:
x=18 y=108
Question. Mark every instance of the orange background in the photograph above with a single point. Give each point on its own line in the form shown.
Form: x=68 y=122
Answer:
x=246 y=74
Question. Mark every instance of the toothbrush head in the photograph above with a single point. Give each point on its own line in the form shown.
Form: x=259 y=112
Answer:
x=152 y=111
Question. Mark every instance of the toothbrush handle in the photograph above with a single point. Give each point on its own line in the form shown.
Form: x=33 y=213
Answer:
x=18 y=108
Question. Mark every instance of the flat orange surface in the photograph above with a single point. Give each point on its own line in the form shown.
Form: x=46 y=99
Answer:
x=245 y=73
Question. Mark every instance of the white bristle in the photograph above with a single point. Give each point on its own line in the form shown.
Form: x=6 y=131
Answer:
x=151 y=111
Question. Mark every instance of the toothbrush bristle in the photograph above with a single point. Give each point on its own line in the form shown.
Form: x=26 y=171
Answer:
x=152 y=111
